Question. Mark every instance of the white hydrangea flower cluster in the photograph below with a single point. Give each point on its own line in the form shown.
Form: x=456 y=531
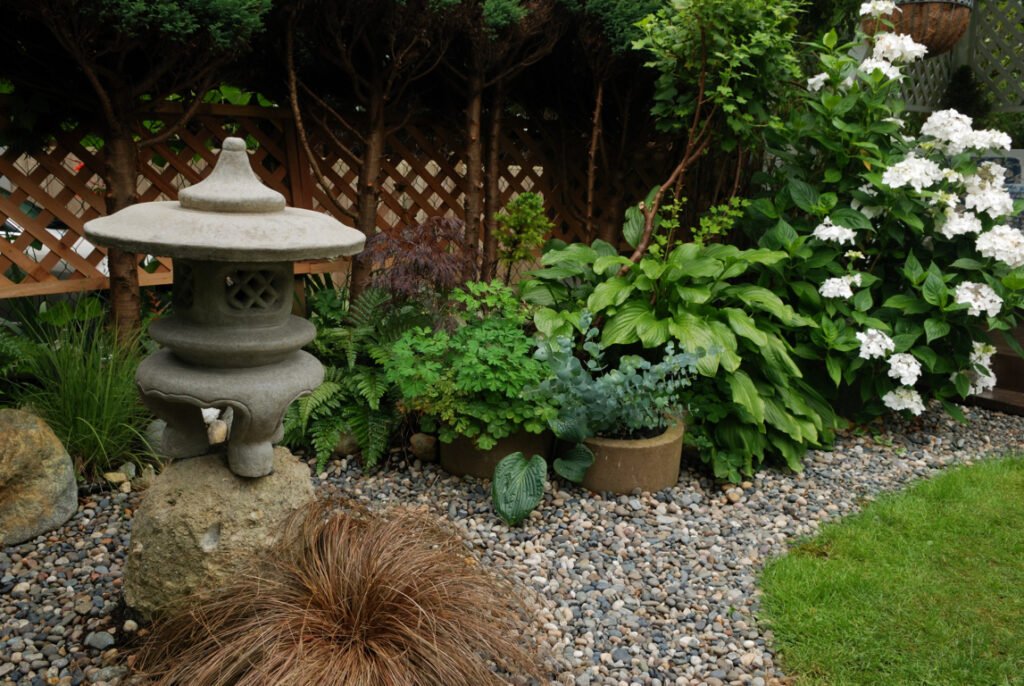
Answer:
x=917 y=172
x=979 y=297
x=827 y=231
x=905 y=367
x=904 y=398
x=869 y=211
x=1003 y=243
x=981 y=356
x=876 y=8
x=888 y=69
x=840 y=286
x=875 y=343
x=902 y=366
x=986 y=191
x=897 y=47
x=958 y=223
x=816 y=82
x=953 y=133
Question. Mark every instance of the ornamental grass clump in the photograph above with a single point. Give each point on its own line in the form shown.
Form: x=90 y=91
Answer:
x=349 y=598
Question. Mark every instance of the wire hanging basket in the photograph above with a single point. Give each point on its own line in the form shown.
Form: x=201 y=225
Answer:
x=938 y=24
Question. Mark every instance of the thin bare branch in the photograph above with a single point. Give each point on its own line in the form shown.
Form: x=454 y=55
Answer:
x=293 y=96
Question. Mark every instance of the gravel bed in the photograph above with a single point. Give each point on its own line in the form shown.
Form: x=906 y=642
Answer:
x=644 y=589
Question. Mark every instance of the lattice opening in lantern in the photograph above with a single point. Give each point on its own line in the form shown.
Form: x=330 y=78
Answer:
x=257 y=289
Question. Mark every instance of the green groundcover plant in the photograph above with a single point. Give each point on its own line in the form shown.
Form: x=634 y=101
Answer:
x=469 y=382
x=899 y=248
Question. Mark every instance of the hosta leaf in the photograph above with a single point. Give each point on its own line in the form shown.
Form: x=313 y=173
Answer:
x=574 y=463
x=614 y=291
x=602 y=263
x=633 y=228
x=745 y=394
x=621 y=328
x=744 y=325
x=518 y=486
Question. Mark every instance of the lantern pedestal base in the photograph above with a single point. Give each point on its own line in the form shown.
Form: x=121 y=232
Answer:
x=176 y=391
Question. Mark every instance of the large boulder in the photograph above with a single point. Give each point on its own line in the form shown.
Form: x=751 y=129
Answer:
x=199 y=524
x=38 y=491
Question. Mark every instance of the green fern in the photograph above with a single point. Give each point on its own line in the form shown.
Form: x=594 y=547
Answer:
x=356 y=397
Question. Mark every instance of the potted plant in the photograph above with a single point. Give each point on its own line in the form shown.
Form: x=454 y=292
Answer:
x=938 y=24
x=622 y=426
x=468 y=384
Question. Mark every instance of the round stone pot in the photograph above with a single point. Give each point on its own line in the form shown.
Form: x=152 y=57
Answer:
x=621 y=466
x=462 y=458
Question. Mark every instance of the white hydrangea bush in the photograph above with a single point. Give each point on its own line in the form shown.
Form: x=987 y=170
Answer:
x=901 y=233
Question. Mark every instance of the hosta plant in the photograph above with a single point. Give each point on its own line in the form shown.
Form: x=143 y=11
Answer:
x=636 y=398
x=749 y=401
x=469 y=382
x=899 y=247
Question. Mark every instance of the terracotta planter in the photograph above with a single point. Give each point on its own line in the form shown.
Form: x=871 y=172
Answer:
x=462 y=458
x=650 y=464
x=938 y=24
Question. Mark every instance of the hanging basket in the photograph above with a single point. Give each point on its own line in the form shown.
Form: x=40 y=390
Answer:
x=938 y=24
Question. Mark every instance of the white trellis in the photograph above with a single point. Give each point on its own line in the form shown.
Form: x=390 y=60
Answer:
x=994 y=49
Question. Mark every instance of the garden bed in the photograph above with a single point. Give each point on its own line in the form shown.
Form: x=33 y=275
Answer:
x=655 y=589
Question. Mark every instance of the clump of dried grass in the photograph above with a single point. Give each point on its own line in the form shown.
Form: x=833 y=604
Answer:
x=359 y=599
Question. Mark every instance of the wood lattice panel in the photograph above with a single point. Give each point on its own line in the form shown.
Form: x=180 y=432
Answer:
x=997 y=52
x=48 y=197
x=926 y=83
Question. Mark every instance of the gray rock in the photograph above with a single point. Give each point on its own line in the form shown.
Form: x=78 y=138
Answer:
x=38 y=492
x=100 y=640
x=199 y=523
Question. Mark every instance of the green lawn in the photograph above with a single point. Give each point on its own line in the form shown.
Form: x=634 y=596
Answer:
x=923 y=587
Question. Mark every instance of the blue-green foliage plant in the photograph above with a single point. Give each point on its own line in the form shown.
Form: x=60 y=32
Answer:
x=635 y=399
x=469 y=381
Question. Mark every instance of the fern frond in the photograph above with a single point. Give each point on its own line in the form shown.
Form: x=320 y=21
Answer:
x=372 y=430
x=324 y=393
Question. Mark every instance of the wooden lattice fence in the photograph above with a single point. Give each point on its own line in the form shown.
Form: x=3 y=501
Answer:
x=46 y=197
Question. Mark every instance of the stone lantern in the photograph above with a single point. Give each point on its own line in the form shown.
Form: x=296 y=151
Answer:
x=232 y=341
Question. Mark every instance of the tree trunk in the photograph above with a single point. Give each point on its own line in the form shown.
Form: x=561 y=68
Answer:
x=122 y=177
x=369 y=189
x=489 y=268
x=595 y=139
x=474 y=158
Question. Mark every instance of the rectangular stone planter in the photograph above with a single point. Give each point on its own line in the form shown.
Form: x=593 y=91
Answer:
x=462 y=458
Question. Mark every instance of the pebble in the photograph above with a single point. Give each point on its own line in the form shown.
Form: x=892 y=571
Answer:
x=643 y=589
